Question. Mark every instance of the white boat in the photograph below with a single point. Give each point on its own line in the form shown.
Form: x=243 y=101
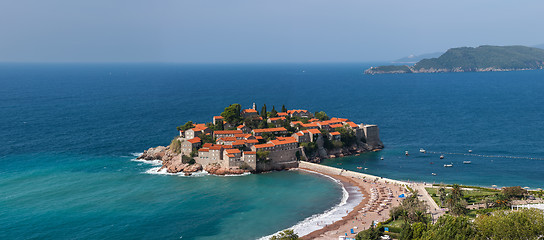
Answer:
x=469 y=151
x=381 y=158
x=441 y=156
x=448 y=165
x=467 y=162
x=434 y=174
x=406 y=152
x=421 y=150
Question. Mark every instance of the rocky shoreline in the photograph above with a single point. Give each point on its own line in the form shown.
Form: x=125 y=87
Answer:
x=172 y=162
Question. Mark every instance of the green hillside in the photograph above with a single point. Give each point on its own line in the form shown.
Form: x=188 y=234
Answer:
x=468 y=59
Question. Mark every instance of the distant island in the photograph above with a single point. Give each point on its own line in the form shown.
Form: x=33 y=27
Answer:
x=468 y=59
x=246 y=140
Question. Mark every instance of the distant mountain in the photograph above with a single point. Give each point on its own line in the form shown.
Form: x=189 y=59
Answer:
x=417 y=58
x=468 y=59
x=539 y=46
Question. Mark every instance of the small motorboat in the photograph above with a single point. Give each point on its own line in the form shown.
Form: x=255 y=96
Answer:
x=366 y=168
x=431 y=163
x=467 y=162
x=406 y=152
x=469 y=151
x=434 y=174
x=381 y=158
x=359 y=167
x=421 y=150
x=441 y=156
x=448 y=165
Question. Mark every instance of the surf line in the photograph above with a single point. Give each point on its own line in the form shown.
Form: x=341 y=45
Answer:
x=486 y=156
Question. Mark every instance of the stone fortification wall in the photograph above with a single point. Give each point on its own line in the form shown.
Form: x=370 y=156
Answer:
x=336 y=171
x=372 y=135
x=279 y=160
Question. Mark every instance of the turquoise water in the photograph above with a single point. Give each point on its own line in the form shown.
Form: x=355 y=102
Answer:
x=69 y=132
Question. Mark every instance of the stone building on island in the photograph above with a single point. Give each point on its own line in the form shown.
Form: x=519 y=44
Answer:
x=239 y=146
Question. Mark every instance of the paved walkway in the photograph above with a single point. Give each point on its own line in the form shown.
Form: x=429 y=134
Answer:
x=423 y=195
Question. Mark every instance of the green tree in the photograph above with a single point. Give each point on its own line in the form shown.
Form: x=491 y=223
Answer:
x=206 y=139
x=285 y=235
x=522 y=224
x=273 y=113
x=175 y=145
x=449 y=227
x=232 y=114
x=283 y=109
x=321 y=116
x=370 y=234
x=347 y=136
x=264 y=113
x=442 y=196
x=262 y=156
x=514 y=192
x=188 y=125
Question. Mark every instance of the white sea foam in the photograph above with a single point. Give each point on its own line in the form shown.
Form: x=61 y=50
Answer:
x=136 y=154
x=351 y=197
x=152 y=162
x=159 y=171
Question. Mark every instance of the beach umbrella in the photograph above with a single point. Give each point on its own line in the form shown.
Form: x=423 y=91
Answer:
x=494 y=186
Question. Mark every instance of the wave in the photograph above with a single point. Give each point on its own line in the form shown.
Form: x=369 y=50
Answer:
x=152 y=162
x=351 y=197
x=159 y=171
x=136 y=154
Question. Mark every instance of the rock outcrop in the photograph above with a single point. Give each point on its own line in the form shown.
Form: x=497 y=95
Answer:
x=173 y=164
x=216 y=169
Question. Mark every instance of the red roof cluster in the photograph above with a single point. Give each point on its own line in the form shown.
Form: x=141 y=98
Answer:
x=264 y=130
x=194 y=140
x=228 y=132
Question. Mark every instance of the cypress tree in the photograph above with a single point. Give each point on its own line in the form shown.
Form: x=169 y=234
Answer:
x=263 y=111
x=283 y=109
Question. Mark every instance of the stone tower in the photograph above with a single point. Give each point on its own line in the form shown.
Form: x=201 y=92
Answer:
x=254 y=106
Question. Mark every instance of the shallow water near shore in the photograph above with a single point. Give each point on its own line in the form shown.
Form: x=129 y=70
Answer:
x=68 y=132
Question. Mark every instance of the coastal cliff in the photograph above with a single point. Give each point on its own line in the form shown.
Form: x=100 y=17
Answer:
x=468 y=59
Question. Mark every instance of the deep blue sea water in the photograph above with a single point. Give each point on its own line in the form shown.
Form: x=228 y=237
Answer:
x=68 y=132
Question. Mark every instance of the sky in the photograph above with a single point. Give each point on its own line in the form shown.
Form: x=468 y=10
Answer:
x=232 y=31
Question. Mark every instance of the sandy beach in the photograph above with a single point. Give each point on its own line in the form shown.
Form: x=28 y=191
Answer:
x=380 y=195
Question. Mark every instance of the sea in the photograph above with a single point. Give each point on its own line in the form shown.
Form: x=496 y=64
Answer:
x=70 y=133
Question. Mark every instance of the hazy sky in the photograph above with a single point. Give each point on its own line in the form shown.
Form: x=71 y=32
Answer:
x=258 y=30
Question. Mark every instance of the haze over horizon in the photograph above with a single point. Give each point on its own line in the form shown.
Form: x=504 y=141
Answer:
x=257 y=31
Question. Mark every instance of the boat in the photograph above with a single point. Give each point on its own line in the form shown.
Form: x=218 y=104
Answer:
x=469 y=151
x=381 y=158
x=406 y=152
x=431 y=163
x=434 y=174
x=441 y=156
x=421 y=150
x=366 y=168
x=359 y=167
x=467 y=162
x=448 y=165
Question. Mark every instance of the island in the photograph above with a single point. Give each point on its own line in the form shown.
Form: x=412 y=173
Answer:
x=468 y=59
x=246 y=140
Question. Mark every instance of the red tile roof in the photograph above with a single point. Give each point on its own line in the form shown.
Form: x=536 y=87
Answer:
x=277 y=118
x=228 y=132
x=194 y=140
x=216 y=147
x=263 y=145
x=352 y=124
x=310 y=125
x=217 y=117
x=241 y=126
x=252 y=141
x=227 y=139
x=203 y=150
x=296 y=111
x=231 y=151
x=249 y=152
x=207 y=145
x=313 y=120
x=313 y=131
x=336 y=125
x=230 y=155
x=269 y=130
x=287 y=140
x=282 y=114
x=258 y=137
x=249 y=111
x=334 y=133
